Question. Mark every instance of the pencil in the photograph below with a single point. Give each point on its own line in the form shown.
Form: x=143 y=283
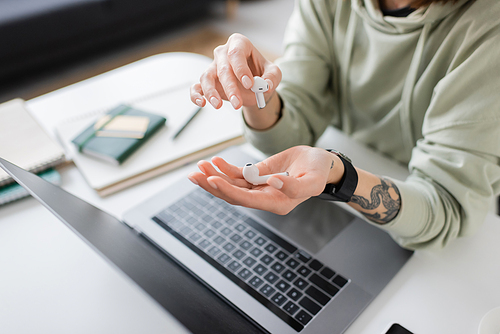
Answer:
x=197 y=111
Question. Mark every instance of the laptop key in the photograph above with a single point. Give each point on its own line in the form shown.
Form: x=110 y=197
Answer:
x=204 y=243
x=289 y=275
x=304 y=271
x=219 y=240
x=260 y=241
x=282 y=286
x=240 y=227
x=209 y=233
x=292 y=263
x=270 y=248
x=267 y=290
x=245 y=273
x=236 y=238
x=300 y=283
x=185 y=231
x=249 y=262
x=256 y=282
x=256 y=252
x=226 y=231
x=315 y=265
x=250 y=234
x=266 y=259
x=278 y=299
x=194 y=237
x=213 y=251
x=323 y=284
x=239 y=254
x=234 y=266
x=327 y=272
x=223 y=258
x=229 y=247
x=309 y=305
x=278 y=267
x=246 y=245
x=291 y=308
x=260 y=269
x=339 y=281
x=302 y=256
x=281 y=255
x=294 y=294
x=271 y=277
x=216 y=224
x=303 y=317
x=317 y=295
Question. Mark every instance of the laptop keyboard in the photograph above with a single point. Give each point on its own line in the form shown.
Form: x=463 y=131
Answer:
x=283 y=278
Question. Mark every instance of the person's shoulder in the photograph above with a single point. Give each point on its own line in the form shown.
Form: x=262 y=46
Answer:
x=481 y=15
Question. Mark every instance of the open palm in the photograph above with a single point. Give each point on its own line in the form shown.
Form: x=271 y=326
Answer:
x=308 y=169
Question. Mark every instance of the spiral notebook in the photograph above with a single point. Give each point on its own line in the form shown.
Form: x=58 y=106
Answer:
x=24 y=142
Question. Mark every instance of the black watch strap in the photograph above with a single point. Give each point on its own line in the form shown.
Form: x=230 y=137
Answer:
x=343 y=191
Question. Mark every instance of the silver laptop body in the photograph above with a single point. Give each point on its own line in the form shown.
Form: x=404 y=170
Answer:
x=311 y=271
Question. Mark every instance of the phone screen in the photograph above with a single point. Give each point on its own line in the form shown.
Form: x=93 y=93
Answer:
x=398 y=329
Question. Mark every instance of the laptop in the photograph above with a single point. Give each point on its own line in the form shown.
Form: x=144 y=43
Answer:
x=311 y=271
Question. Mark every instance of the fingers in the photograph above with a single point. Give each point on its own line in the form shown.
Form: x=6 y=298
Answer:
x=208 y=83
x=239 y=54
x=226 y=168
x=230 y=76
x=196 y=94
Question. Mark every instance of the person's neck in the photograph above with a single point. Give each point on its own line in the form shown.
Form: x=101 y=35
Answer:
x=394 y=4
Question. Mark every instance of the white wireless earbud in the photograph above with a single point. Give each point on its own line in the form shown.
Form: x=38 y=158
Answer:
x=251 y=175
x=259 y=87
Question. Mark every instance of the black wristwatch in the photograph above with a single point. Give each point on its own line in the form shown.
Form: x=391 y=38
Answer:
x=343 y=191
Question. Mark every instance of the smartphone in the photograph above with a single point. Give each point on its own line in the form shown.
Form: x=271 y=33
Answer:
x=398 y=329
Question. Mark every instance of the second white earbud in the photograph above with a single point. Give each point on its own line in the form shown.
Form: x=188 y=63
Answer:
x=251 y=175
x=259 y=87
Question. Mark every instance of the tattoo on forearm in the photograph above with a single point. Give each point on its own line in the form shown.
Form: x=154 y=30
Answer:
x=380 y=195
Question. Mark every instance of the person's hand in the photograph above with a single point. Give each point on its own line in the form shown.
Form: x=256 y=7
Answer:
x=230 y=76
x=308 y=169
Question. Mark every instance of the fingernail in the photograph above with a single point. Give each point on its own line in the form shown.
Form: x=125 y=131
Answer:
x=192 y=180
x=235 y=102
x=246 y=81
x=199 y=102
x=214 y=101
x=276 y=183
x=212 y=184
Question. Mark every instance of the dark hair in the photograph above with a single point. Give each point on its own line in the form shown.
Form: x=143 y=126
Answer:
x=423 y=3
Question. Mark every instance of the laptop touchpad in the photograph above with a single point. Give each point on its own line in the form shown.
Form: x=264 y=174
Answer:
x=312 y=224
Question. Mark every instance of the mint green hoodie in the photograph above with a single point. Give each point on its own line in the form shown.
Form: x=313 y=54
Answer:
x=424 y=89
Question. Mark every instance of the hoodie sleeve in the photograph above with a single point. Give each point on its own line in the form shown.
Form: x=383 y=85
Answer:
x=455 y=168
x=306 y=87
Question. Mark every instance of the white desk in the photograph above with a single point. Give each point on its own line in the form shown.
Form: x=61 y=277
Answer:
x=52 y=282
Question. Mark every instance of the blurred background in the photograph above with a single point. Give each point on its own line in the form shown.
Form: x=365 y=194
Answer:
x=49 y=44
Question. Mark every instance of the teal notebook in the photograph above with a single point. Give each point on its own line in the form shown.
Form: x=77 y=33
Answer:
x=117 y=145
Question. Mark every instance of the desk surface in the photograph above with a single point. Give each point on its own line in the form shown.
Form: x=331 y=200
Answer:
x=51 y=281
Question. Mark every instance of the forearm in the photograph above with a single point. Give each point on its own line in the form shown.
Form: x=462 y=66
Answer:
x=377 y=198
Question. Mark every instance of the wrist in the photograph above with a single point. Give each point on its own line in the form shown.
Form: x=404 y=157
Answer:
x=341 y=190
x=336 y=171
x=262 y=119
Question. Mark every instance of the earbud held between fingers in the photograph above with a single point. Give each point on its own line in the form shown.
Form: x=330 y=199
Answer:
x=251 y=175
x=260 y=86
